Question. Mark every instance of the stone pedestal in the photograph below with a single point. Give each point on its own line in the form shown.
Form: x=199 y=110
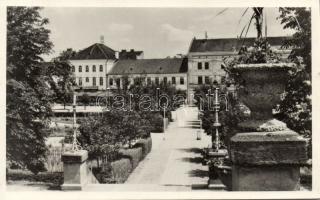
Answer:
x=74 y=170
x=267 y=161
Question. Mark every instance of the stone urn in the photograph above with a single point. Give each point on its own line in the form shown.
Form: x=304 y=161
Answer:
x=265 y=154
x=261 y=87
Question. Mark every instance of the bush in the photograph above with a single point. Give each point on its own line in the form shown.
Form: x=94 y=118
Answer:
x=120 y=170
x=115 y=172
x=156 y=121
x=146 y=145
x=55 y=178
x=134 y=155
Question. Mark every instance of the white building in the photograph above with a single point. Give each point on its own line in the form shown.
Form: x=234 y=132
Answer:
x=205 y=57
x=99 y=67
x=91 y=66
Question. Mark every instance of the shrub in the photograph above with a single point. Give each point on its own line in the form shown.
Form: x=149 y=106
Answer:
x=134 y=155
x=146 y=145
x=120 y=170
x=156 y=121
x=55 y=178
x=115 y=172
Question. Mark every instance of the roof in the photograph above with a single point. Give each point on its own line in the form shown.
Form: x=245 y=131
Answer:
x=151 y=66
x=129 y=54
x=95 y=51
x=228 y=44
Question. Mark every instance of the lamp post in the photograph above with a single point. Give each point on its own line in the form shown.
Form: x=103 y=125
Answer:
x=75 y=144
x=216 y=124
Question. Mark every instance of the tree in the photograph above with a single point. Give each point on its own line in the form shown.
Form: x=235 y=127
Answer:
x=29 y=97
x=85 y=99
x=296 y=108
x=103 y=135
x=66 y=55
x=62 y=77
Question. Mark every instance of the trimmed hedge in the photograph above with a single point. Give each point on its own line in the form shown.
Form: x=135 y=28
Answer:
x=55 y=178
x=120 y=170
x=156 y=121
x=146 y=145
x=134 y=155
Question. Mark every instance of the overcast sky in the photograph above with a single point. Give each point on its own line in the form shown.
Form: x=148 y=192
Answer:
x=159 y=32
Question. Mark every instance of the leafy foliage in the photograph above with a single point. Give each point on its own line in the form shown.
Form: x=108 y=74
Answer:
x=103 y=135
x=32 y=86
x=296 y=108
x=28 y=94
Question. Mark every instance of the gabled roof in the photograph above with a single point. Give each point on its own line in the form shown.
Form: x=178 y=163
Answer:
x=150 y=66
x=228 y=44
x=95 y=51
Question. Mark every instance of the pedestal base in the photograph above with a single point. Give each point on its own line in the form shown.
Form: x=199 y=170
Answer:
x=74 y=170
x=267 y=161
x=266 y=178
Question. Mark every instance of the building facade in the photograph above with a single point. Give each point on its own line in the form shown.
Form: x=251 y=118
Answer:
x=91 y=65
x=167 y=70
x=98 y=67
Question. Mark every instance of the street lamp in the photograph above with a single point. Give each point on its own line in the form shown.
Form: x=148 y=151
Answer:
x=75 y=144
x=216 y=124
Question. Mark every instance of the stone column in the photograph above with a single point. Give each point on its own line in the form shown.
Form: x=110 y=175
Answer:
x=74 y=170
x=265 y=154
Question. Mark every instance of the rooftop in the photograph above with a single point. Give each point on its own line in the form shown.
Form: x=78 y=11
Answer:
x=228 y=44
x=95 y=51
x=151 y=66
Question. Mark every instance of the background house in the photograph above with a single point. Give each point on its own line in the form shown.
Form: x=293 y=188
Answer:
x=168 y=70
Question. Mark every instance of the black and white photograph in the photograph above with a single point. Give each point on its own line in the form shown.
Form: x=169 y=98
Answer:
x=183 y=99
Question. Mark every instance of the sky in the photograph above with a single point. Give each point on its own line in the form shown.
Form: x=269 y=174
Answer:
x=159 y=32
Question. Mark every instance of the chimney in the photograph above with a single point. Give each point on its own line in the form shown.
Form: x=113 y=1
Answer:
x=102 y=39
x=117 y=54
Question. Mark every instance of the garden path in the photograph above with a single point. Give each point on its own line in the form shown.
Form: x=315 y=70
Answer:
x=174 y=164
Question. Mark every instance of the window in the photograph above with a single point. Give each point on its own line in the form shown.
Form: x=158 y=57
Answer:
x=110 y=81
x=149 y=81
x=157 y=80
x=181 y=81
x=73 y=68
x=206 y=65
x=94 y=81
x=199 y=80
x=87 y=68
x=206 y=80
x=199 y=65
x=80 y=81
x=101 y=80
x=173 y=80
x=101 y=68
x=165 y=80
x=80 y=68
x=118 y=82
x=87 y=79
x=94 y=68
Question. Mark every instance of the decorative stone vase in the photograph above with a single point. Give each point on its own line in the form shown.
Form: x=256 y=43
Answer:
x=265 y=154
x=261 y=87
